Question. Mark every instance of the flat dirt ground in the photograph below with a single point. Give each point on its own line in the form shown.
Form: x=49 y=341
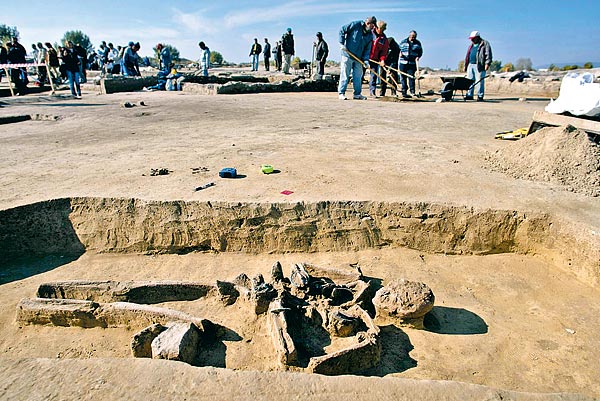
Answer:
x=507 y=321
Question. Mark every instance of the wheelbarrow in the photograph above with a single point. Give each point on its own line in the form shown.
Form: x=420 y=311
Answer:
x=452 y=84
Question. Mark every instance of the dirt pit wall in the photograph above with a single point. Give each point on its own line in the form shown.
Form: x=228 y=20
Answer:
x=115 y=225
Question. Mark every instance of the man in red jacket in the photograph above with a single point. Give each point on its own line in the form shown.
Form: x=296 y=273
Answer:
x=379 y=51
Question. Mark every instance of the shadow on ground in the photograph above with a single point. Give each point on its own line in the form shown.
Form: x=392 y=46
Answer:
x=395 y=349
x=21 y=268
x=214 y=351
x=36 y=238
x=454 y=321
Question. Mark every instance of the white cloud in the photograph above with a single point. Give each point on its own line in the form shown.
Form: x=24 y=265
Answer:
x=296 y=9
x=195 y=22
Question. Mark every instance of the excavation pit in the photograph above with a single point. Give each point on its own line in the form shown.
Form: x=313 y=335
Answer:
x=503 y=280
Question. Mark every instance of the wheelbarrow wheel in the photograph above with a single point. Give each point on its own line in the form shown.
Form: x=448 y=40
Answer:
x=447 y=91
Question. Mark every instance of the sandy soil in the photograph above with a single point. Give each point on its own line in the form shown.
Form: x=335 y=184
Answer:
x=507 y=321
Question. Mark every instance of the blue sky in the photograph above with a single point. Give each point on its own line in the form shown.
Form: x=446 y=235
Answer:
x=549 y=31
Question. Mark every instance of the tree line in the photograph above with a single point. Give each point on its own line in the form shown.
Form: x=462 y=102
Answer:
x=525 y=64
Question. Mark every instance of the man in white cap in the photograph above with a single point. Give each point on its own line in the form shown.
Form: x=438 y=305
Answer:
x=477 y=62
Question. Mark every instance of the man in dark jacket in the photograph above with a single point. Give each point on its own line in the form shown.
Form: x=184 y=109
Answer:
x=477 y=62
x=321 y=53
x=71 y=64
x=81 y=54
x=17 y=55
x=255 y=51
x=278 y=55
x=267 y=54
x=287 y=47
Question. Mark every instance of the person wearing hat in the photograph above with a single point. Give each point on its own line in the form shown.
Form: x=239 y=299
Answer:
x=477 y=62
x=287 y=47
x=164 y=57
x=356 y=39
x=321 y=53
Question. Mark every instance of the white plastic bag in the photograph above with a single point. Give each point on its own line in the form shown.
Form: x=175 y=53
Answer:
x=579 y=95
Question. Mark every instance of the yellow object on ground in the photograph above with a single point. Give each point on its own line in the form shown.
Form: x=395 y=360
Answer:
x=513 y=135
x=266 y=168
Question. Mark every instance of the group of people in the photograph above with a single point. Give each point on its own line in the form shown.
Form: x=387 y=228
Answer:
x=61 y=62
x=364 y=45
x=69 y=62
x=282 y=52
x=124 y=60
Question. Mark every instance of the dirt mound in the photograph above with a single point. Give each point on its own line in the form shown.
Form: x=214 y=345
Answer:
x=559 y=155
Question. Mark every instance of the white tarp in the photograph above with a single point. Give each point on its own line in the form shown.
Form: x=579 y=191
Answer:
x=579 y=95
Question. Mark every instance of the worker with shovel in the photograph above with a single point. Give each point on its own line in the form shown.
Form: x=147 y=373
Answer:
x=379 y=51
x=355 y=40
x=411 y=51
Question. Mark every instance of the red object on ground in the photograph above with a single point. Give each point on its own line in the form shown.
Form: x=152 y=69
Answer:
x=286 y=192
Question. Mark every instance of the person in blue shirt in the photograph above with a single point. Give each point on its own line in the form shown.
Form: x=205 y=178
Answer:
x=355 y=40
x=204 y=58
x=165 y=57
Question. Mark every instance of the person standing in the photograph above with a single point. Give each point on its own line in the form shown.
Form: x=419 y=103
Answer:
x=278 y=55
x=71 y=62
x=379 y=51
x=41 y=59
x=356 y=38
x=255 y=51
x=164 y=56
x=392 y=62
x=52 y=62
x=3 y=57
x=267 y=54
x=102 y=57
x=410 y=53
x=287 y=47
x=204 y=58
x=34 y=52
x=321 y=53
x=112 y=66
x=18 y=55
x=81 y=54
x=477 y=62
